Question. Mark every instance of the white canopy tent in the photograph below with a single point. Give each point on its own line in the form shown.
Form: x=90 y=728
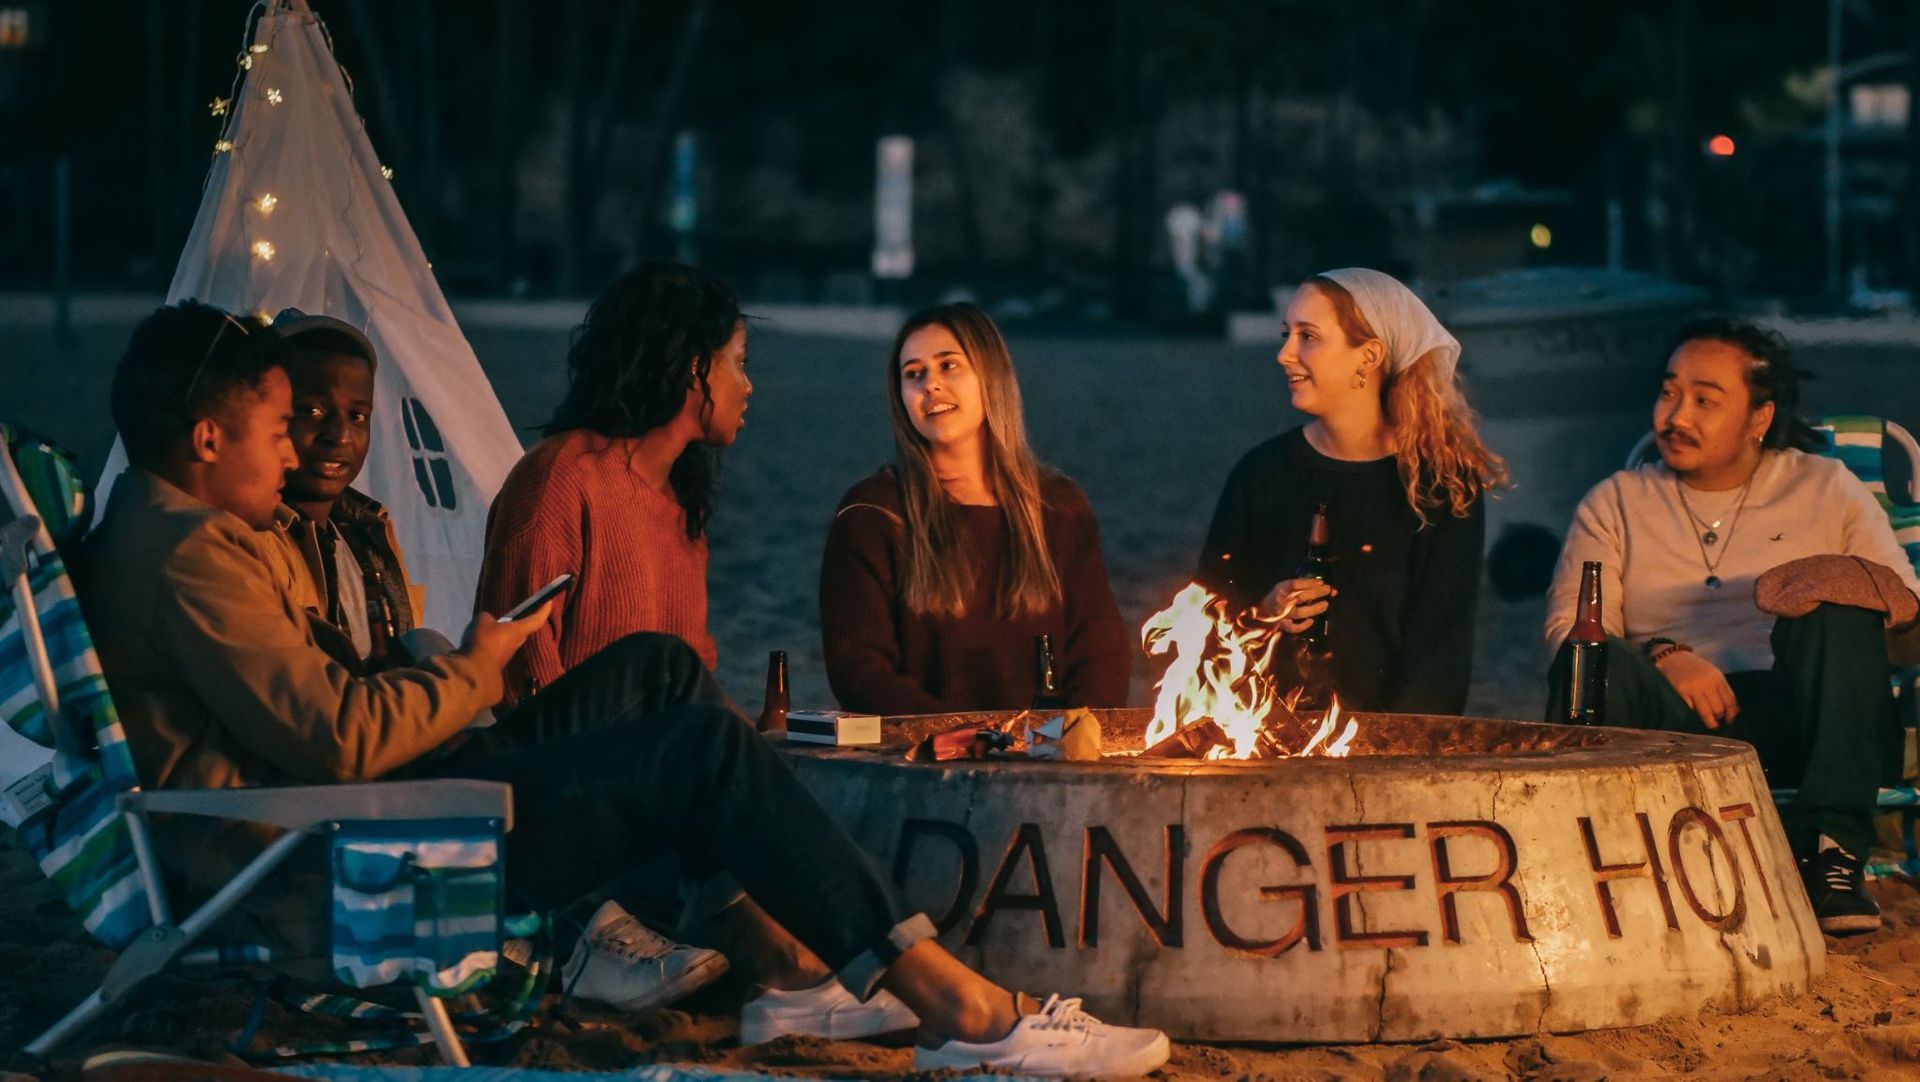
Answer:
x=299 y=213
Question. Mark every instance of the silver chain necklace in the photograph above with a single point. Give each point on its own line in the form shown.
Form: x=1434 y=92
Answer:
x=1712 y=536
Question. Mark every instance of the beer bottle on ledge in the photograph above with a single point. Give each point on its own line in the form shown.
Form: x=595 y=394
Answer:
x=1587 y=675
x=1046 y=676
x=773 y=706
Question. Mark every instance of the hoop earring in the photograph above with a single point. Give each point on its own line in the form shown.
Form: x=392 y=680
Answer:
x=1359 y=381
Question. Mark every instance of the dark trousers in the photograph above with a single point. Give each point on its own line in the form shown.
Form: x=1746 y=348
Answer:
x=634 y=754
x=1821 y=719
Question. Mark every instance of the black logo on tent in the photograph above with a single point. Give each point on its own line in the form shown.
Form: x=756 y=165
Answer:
x=430 y=466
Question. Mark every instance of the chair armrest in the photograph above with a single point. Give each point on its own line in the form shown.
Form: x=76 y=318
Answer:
x=307 y=807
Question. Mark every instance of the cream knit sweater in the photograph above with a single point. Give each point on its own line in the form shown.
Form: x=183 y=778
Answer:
x=1653 y=578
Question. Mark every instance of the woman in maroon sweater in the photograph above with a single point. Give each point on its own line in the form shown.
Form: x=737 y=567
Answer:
x=941 y=569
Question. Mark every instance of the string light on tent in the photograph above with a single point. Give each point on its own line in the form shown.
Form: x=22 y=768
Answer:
x=263 y=250
x=257 y=48
x=246 y=63
x=273 y=96
x=219 y=106
x=387 y=171
x=266 y=203
x=222 y=146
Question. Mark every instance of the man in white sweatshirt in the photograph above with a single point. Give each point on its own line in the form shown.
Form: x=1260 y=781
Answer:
x=1681 y=543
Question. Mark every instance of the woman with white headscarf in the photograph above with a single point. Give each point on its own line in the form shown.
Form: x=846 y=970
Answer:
x=1391 y=450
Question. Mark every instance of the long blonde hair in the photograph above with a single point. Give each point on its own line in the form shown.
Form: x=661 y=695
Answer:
x=1436 y=440
x=935 y=580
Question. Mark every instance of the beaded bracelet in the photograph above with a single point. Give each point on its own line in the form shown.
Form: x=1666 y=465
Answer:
x=1668 y=649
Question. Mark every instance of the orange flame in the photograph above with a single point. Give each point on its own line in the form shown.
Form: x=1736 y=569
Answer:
x=1220 y=671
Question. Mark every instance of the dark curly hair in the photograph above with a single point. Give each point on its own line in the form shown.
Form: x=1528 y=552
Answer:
x=1772 y=377
x=648 y=337
x=185 y=363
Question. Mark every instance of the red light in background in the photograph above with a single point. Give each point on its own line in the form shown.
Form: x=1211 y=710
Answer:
x=1720 y=146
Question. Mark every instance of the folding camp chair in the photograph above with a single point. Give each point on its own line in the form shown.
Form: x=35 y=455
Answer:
x=417 y=868
x=1863 y=443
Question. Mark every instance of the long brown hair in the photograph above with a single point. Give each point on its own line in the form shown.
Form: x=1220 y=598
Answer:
x=935 y=581
x=1436 y=441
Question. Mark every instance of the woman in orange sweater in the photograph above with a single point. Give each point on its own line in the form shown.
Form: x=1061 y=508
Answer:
x=620 y=490
x=619 y=493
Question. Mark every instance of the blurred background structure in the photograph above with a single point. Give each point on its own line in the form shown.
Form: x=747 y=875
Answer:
x=1066 y=158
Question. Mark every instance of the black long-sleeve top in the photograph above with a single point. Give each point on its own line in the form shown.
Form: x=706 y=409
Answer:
x=1402 y=626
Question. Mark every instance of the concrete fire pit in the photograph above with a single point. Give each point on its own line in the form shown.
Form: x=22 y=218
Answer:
x=1454 y=877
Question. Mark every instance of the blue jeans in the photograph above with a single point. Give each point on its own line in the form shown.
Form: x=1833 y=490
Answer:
x=636 y=753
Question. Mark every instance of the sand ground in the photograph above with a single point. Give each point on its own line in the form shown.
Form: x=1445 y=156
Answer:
x=1149 y=428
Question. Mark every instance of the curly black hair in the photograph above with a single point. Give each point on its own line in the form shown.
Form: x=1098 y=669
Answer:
x=649 y=336
x=185 y=363
x=1772 y=377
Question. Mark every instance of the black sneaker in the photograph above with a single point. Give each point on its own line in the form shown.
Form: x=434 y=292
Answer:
x=1836 y=885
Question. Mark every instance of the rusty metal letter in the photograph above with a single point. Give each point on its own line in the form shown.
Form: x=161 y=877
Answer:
x=1306 y=927
x=963 y=843
x=1346 y=884
x=1740 y=813
x=1026 y=839
x=1604 y=874
x=1500 y=880
x=1736 y=914
x=1165 y=927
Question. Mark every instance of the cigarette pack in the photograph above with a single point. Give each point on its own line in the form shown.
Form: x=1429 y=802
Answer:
x=832 y=727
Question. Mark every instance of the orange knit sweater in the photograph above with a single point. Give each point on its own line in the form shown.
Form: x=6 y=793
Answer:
x=573 y=504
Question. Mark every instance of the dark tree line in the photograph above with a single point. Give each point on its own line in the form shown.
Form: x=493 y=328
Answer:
x=532 y=142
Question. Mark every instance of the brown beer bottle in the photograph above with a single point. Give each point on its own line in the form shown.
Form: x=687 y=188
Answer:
x=1587 y=675
x=1315 y=648
x=1046 y=676
x=773 y=707
x=1315 y=566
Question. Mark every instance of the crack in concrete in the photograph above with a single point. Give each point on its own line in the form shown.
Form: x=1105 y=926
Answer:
x=1546 y=984
x=1533 y=943
x=1380 y=1007
x=1360 y=911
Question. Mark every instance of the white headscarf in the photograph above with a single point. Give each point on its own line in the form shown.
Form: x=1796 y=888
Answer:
x=1400 y=320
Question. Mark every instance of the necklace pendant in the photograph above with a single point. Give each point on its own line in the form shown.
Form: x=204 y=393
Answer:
x=1710 y=537
x=1713 y=582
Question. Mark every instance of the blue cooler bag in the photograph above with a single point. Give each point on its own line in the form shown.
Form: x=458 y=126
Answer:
x=417 y=902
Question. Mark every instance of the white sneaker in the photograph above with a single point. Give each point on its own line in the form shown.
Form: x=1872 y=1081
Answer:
x=626 y=965
x=1060 y=1041
x=825 y=1010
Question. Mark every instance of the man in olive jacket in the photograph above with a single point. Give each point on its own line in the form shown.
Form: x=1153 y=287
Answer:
x=205 y=624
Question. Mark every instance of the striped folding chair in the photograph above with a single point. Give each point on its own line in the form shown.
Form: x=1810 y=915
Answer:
x=1864 y=444
x=417 y=866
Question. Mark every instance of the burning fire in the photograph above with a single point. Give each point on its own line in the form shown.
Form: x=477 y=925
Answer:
x=1219 y=673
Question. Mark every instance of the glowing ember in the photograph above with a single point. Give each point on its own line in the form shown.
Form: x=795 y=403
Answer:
x=1220 y=673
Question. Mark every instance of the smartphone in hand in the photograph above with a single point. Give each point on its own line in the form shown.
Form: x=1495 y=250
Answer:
x=540 y=597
